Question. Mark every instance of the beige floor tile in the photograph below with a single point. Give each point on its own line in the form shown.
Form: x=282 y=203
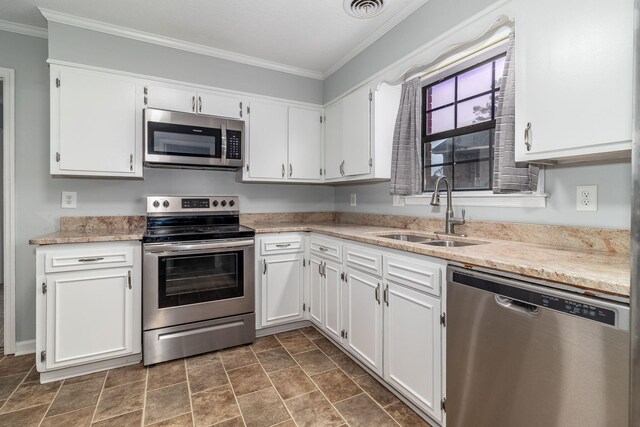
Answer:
x=350 y=367
x=297 y=343
x=314 y=362
x=336 y=385
x=24 y=418
x=274 y=360
x=131 y=419
x=288 y=423
x=33 y=375
x=164 y=374
x=76 y=396
x=79 y=418
x=213 y=406
x=313 y=409
x=238 y=357
x=203 y=359
x=125 y=375
x=405 y=416
x=262 y=408
x=265 y=343
x=167 y=402
x=376 y=390
x=248 y=379
x=184 y=420
x=120 y=400
x=311 y=333
x=327 y=347
x=205 y=377
x=11 y=365
x=233 y=422
x=9 y=383
x=292 y=382
x=362 y=411
x=31 y=394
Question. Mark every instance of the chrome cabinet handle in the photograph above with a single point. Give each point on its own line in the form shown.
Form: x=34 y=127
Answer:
x=131 y=162
x=378 y=293
x=283 y=245
x=386 y=295
x=322 y=249
x=283 y=170
x=320 y=269
x=129 y=279
x=100 y=258
x=290 y=170
x=264 y=266
x=527 y=130
x=342 y=168
x=324 y=270
x=193 y=103
x=200 y=104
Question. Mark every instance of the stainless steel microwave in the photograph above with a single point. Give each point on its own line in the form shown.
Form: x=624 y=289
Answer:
x=173 y=139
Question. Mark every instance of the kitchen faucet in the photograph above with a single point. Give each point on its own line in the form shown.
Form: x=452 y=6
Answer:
x=449 y=220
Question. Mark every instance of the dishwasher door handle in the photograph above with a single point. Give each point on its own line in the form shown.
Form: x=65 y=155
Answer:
x=519 y=306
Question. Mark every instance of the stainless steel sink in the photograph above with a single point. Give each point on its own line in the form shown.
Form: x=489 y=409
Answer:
x=449 y=243
x=413 y=238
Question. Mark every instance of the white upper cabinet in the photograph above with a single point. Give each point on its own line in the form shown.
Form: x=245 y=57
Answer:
x=356 y=136
x=267 y=141
x=188 y=100
x=333 y=141
x=574 y=79
x=305 y=143
x=96 y=123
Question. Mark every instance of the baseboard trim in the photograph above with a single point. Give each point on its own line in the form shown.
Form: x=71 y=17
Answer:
x=75 y=371
x=270 y=330
x=25 y=347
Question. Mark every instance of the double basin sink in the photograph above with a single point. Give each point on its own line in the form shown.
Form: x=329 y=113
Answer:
x=426 y=240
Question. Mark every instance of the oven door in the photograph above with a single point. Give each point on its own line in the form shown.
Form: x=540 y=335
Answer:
x=191 y=282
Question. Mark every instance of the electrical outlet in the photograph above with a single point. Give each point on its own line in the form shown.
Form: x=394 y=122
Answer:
x=69 y=200
x=353 y=199
x=398 y=200
x=587 y=198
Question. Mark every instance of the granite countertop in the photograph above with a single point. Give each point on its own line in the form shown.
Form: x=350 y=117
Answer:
x=598 y=271
x=89 y=236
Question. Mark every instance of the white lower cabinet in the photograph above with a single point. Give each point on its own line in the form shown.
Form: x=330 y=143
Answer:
x=282 y=290
x=316 y=291
x=332 y=295
x=412 y=346
x=89 y=312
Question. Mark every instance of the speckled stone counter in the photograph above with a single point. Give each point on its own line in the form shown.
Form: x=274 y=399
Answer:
x=93 y=229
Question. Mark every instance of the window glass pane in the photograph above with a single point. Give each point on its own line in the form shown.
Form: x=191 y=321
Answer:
x=441 y=94
x=440 y=120
x=476 y=110
x=499 y=70
x=475 y=81
x=438 y=152
x=431 y=173
x=472 y=176
x=474 y=146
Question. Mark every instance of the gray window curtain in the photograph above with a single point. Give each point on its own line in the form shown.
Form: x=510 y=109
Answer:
x=507 y=176
x=406 y=162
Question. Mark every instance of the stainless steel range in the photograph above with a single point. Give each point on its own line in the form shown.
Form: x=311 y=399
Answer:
x=198 y=281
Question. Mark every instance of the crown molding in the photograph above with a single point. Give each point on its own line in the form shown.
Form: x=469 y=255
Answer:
x=90 y=24
x=381 y=31
x=28 y=30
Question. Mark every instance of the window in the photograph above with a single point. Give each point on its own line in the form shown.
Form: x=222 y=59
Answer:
x=458 y=127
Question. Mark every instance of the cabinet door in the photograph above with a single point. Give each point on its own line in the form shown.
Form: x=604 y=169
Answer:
x=316 y=285
x=165 y=98
x=333 y=141
x=356 y=132
x=573 y=86
x=412 y=346
x=364 y=321
x=96 y=124
x=282 y=282
x=215 y=104
x=268 y=140
x=305 y=144
x=332 y=293
x=90 y=316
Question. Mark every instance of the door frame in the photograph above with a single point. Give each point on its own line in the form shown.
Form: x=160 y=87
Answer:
x=7 y=75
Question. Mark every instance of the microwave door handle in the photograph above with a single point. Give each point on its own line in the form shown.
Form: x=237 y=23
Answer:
x=223 y=130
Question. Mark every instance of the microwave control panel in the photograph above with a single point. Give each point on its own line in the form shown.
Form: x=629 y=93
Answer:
x=234 y=145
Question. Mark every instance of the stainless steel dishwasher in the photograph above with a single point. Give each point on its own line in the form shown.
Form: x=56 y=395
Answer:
x=521 y=355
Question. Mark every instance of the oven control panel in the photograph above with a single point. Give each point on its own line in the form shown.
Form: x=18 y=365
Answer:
x=192 y=204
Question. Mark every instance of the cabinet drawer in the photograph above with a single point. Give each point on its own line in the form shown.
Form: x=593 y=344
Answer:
x=87 y=256
x=363 y=259
x=420 y=275
x=331 y=249
x=282 y=244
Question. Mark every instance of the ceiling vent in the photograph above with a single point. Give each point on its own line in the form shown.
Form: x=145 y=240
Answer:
x=364 y=8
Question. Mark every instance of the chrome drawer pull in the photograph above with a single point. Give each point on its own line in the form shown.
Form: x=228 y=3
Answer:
x=283 y=245
x=100 y=258
x=322 y=249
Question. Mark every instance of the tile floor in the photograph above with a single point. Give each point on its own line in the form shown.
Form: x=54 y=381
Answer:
x=288 y=379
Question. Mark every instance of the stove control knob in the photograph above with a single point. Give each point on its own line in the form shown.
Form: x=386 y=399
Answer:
x=223 y=203
x=165 y=203
x=215 y=203
x=156 y=204
x=231 y=203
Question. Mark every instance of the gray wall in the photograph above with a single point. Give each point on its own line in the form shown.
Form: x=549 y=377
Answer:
x=82 y=46
x=38 y=193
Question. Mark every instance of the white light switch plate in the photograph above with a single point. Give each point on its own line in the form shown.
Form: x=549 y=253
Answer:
x=69 y=200
x=587 y=198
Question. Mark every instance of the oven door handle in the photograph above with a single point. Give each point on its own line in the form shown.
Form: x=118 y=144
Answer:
x=180 y=247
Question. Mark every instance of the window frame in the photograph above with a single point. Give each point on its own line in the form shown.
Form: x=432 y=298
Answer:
x=465 y=130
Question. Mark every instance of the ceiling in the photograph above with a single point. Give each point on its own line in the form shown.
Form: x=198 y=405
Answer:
x=311 y=37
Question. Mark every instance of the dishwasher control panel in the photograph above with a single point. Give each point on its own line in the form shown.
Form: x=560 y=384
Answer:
x=581 y=309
